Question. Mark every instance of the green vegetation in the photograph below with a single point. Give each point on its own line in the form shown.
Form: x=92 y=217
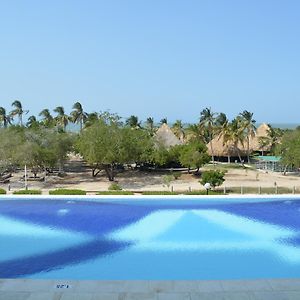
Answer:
x=67 y=192
x=27 y=192
x=214 y=177
x=2 y=192
x=115 y=193
x=289 y=149
x=114 y=187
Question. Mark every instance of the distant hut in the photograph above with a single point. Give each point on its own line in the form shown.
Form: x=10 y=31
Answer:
x=255 y=143
x=226 y=151
x=164 y=136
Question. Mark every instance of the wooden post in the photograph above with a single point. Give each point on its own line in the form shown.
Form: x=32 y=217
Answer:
x=242 y=191
x=172 y=188
x=276 y=189
x=259 y=190
x=294 y=190
x=190 y=189
x=224 y=190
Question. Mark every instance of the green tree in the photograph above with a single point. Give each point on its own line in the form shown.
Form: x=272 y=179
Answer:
x=178 y=129
x=104 y=145
x=289 y=149
x=61 y=119
x=47 y=119
x=234 y=134
x=133 y=122
x=248 y=124
x=213 y=177
x=78 y=116
x=207 y=121
x=194 y=155
x=18 y=111
x=4 y=118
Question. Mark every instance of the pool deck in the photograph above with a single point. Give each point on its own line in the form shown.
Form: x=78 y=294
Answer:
x=263 y=289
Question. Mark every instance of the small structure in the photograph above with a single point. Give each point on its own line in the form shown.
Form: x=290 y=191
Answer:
x=272 y=163
x=164 y=136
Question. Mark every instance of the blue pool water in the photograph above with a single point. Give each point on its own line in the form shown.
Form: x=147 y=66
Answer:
x=149 y=239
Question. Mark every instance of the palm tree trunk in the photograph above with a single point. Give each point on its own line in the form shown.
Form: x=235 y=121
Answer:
x=248 y=149
x=212 y=152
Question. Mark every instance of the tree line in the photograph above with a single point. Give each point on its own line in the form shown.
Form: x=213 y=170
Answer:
x=107 y=142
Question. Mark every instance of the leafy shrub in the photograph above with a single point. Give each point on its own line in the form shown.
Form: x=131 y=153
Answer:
x=176 y=175
x=214 y=177
x=27 y=192
x=67 y=192
x=114 y=187
x=2 y=192
x=159 y=193
x=115 y=193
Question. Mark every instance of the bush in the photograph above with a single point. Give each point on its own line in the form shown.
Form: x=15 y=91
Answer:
x=114 y=187
x=176 y=175
x=115 y=193
x=2 y=192
x=67 y=192
x=159 y=193
x=214 y=177
x=28 y=192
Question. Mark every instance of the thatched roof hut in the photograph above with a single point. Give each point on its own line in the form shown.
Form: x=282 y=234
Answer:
x=261 y=131
x=223 y=150
x=165 y=136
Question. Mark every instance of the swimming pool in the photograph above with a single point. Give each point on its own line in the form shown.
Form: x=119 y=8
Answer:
x=159 y=239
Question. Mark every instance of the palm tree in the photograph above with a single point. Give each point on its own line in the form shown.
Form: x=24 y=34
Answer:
x=178 y=129
x=150 y=125
x=78 y=115
x=18 y=111
x=164 y=121
x=234 y=134
x=133 y=122
x=272 y=139
x=32 y=122
x=207 y=121
x=91 y=119
x=4 y=118
x=62 y=119
x=248 y=124
x=47 y=118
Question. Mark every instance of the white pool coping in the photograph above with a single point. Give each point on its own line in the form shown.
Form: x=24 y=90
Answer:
x=29 y=289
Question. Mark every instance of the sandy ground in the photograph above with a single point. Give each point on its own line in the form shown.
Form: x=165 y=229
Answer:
x=79 y=176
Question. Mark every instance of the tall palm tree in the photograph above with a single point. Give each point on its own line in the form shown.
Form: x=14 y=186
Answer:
x=78 y=116
x=150 y=125
x=47 y=118
x=62 y=119
x=4 y=118
x=234 y=134
x=248 y=123
x=207 y=121
x=178 y=129
x=133 y=122
x=18 y=111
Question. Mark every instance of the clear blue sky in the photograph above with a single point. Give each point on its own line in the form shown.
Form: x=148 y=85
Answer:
x=153 y=57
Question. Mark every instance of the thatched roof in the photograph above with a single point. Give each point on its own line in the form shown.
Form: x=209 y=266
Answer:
x=165 y=136
x=228 y=149
x=261 y=131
